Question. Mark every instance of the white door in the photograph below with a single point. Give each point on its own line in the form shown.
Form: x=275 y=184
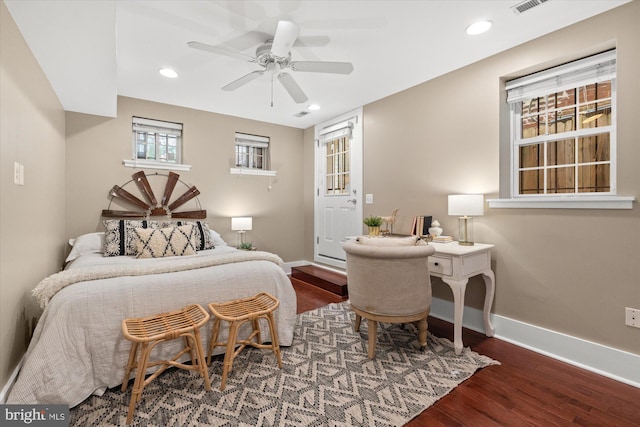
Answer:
x=338 y=206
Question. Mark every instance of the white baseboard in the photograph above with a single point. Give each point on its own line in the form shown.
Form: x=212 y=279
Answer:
x=606 y=361
x=12 y=379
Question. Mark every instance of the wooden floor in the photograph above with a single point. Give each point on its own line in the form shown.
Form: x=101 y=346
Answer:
x=527 y=389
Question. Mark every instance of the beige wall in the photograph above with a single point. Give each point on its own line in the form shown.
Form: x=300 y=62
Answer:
x=96 y=147
x=31 y=216
x=572 y=271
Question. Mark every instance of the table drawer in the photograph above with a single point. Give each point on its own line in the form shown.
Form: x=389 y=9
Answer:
x=440 y=266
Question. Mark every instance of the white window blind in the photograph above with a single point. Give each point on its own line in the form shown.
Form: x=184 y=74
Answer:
x=156 y=126
x=252 y=140
x=339 y=130
x=593 y=69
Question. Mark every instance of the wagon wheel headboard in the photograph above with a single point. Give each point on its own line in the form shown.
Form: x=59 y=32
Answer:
x=150 y=206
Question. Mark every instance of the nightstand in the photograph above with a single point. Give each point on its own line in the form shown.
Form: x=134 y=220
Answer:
x=455 y=265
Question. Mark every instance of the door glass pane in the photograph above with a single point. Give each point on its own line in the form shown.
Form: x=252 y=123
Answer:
x=338 y=165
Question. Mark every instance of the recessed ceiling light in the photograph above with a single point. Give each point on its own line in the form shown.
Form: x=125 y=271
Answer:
x=313 y=107
x=168 y=72
x=479 y=27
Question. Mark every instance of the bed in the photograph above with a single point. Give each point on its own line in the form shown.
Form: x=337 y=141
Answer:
x=78 y=348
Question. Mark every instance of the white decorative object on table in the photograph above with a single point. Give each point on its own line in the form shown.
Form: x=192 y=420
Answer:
x=435 y=229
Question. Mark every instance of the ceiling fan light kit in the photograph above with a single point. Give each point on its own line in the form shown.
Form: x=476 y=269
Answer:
x=274 y=55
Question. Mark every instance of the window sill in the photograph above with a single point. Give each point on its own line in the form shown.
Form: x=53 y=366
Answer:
x=245 y=171
x=607 y=202
x=147 y=164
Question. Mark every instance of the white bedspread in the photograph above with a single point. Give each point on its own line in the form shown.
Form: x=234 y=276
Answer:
x=78 y=347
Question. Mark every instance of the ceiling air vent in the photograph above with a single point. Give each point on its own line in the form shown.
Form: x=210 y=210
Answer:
x=301 y=114
x=526 y=5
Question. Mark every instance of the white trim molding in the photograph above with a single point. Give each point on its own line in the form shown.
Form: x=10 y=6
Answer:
x=150 y=164
x=248 y=171
x=609 y=202
x=603 y=360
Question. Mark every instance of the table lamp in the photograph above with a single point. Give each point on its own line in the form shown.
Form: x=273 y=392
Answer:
x=465 y=206
x=241 y=224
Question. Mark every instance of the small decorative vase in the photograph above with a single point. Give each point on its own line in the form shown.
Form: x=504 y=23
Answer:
x=435 y=229
x=374 y=231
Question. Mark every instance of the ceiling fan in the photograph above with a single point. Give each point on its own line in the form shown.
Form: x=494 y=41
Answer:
x=274 y=56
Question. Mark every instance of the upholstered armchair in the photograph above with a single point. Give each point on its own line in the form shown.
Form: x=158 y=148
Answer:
x=389 y=284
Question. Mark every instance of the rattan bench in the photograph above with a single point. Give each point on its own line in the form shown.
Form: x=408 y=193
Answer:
x=147 y=332
x=237 y=312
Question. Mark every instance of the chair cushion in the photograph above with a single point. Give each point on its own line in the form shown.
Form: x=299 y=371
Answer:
x=388 y=241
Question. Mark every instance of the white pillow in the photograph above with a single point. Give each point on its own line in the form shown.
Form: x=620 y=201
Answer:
x=91 y=243
x=217 y=239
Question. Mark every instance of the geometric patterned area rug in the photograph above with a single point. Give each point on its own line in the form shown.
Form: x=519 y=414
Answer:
x=326 y=380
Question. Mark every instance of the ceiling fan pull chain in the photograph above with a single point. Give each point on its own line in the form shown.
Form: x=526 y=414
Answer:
x=272 y=89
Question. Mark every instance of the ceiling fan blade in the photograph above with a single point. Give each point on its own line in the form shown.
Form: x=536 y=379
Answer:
x=292 y=87
x=221 y=51
x=286 y=34
x=243 y=80
x=322 y=67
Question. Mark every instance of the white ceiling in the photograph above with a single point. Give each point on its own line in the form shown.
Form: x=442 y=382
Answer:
x=92 y=51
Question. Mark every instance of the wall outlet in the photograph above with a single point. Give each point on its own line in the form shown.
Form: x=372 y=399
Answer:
x=632 y=317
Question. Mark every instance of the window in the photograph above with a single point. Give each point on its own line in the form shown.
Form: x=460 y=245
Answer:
x=252 y=151
x=563 y=129
x=337 y=138
x=157 y=140
x=156 y=144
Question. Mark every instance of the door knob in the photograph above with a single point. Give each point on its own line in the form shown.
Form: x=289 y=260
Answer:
x=354 y=201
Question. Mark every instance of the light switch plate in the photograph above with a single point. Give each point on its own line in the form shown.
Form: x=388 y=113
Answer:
x=369 y=199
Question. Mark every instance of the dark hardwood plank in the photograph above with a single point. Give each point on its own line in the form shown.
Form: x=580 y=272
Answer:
x=527 y=389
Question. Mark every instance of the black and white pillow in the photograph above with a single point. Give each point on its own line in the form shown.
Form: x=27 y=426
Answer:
x=204 y=240
x=165 y=242
x=119 y=238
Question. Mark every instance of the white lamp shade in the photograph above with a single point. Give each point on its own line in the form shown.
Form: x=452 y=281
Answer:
x=241 y=223
x=466 y=205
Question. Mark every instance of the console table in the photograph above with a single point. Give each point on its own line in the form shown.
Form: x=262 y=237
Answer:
x=455 y=264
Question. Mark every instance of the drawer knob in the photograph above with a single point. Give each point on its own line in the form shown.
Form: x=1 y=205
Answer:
x=435 y=263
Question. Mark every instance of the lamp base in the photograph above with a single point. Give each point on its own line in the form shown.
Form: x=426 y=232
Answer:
x=465 y=229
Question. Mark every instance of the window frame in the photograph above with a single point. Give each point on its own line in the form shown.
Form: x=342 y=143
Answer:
x=564 y=77
x=157 y=127
x=252 y=143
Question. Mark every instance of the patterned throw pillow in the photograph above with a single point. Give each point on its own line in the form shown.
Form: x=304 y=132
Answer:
x=165 y=242
x=119 y=238
x=203 y=236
